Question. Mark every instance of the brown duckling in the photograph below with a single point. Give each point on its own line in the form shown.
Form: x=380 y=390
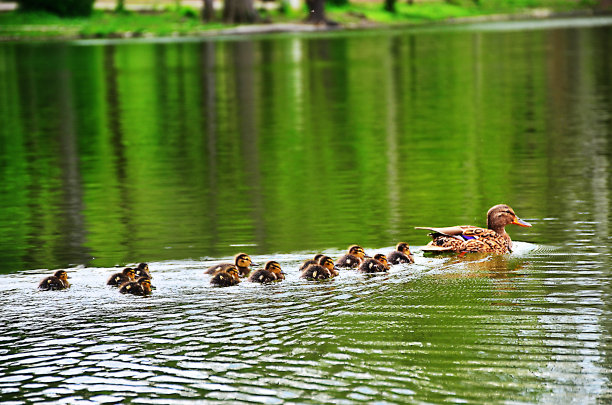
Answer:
x=328 y=263
x=308 y=262
x=374 y=265
x=353 y=259
x=142 y=271
x=316 y=272
x=58 y=281
x=401 y=254
x=141 y=287
x=117 y=279
x=469 y=239
x=383 y=260
x=271 y=272
x=242 y=261
x=226 y=277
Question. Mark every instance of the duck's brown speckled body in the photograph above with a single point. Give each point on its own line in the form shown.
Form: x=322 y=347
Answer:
x=141 y=287
x=142 y=271
x=470 y=239
x=401 y=254
x=117 y=279
x=314 y=260
x=323 y=270
x=242 y=262
x=374 y=265
x=226 y=277
x=270 y=273
x=58 y=281
x=353 y=259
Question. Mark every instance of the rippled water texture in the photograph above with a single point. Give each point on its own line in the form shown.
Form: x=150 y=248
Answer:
x=182 y=154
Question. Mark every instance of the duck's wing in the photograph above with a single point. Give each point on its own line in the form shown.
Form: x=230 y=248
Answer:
x=453 y=231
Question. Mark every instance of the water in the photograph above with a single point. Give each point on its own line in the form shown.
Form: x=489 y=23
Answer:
x=182 y=154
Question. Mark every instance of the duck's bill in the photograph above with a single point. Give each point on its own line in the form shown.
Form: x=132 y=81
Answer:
x=520 y=222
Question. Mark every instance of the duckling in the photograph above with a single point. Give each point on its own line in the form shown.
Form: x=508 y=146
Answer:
x=242 y=261
x=140 y=287
x=328 y=263
x=142 y=271
x=308 y=262
x=353 y=259
x=58 y=281
x=226 y=278
x=401 y=254
x=271 y=272
x=373 y=265
x=383 y=260
x=316 y=272
x=125 y=276
x=472 y=239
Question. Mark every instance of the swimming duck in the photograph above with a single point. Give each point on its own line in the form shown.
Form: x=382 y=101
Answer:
x=58 y=281
x=142 y=271
x=328 y=263
x=271 y=272
x=140 y=287
x=308 y=262
x=117 y=279
x=401 y=254
x=242 y=261
x=467 y=238
x=316 y=272
x=383 y=260
x=374 y=265
x=353 y=259
x=226 y=277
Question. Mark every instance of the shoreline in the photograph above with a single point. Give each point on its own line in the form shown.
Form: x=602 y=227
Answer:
x=272 y=28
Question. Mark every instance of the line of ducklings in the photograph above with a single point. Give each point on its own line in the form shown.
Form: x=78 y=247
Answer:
x=321 y=267
x=135 y=281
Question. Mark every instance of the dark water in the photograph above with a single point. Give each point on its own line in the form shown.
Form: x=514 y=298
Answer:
x=182 y=154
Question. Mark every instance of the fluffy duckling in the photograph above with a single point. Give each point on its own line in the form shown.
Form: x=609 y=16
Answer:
x=323 y=270
x=58 y=281
x=328 y=263
x=401 y=254
x=271 y=272
x=373 y=265
x=308 y=262
x=141 y=287
x=117 y=279
x=353 y=259
x=383 y=260
x=226 y=278
x=142 y=271
x=242 y=261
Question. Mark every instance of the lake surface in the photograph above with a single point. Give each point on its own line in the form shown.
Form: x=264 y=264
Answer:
x=184 y=153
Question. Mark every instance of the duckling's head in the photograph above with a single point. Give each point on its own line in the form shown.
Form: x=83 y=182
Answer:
x=62 y=275
x=145 y=283
x=357 y=250
x=382 y=259
x=403 y=247
x=243 y=260
x=275 y=268
x=233 y=272
x=501 y=215
x=143 y=267
x=327 y=262
x=129 y=272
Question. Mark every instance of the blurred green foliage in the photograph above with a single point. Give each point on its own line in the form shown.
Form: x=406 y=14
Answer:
x=64 y=8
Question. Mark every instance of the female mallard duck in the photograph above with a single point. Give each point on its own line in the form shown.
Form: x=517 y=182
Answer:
x=226 y=277
x=58 y=281
x=353 y=259
x=128 y=274
x=142 y=271
x=469 y=239
x=141 y=287
x=308 y=262
x=271 y=272
x=377 y=264
x=401 y=254
x=242 y=261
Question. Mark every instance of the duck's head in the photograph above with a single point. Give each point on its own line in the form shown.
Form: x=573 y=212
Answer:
x=143 y=267
x=382 y=259
x=243 y=260
x=328 y=263
x=357 y=250
x=233 y=272
x=501 y=215
x=145 y=283
x=62 y=275
x=129 y=272
x=403 y=247
x=275 y=268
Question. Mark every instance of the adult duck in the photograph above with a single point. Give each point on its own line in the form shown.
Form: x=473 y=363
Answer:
x=470 y=239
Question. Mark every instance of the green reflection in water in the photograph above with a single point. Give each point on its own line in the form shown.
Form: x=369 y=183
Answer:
x=121 y=153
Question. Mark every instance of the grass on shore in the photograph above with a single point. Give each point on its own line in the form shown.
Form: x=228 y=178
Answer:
x=185 y=21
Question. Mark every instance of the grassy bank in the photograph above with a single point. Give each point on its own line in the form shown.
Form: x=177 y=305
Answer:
x=185 y=21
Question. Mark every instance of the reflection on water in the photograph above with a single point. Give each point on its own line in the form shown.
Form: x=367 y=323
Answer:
x=182 y=154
